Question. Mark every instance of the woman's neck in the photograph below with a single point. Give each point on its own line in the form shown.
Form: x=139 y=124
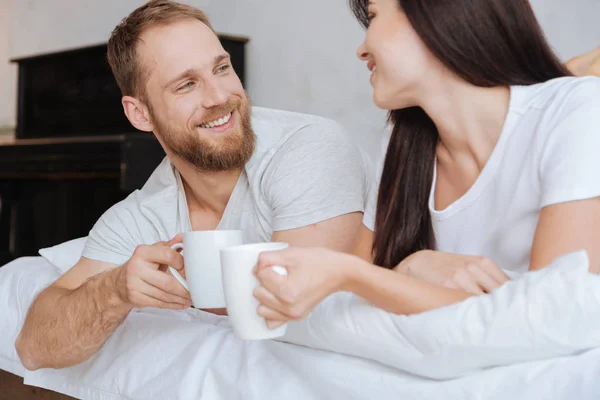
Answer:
x=469 y=119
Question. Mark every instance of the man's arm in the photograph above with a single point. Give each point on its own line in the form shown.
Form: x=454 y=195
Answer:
x=363 y=246
x=316 y=186
x=70 y=320
x=338 y=233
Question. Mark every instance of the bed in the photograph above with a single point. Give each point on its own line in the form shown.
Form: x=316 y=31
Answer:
x=160 y=354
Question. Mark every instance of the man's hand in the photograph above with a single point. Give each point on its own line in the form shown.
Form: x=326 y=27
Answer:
x=144 y=282
x=472 y=274
x=70 y=320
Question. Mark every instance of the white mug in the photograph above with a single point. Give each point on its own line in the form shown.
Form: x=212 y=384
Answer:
x=202 y=259
x=239 y=282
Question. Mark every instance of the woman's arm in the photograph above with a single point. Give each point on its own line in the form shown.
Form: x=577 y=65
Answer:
x=473 y=274
x=587 y=64
x=315 y=273
x=394 y=292
x=562 y=228
x=567 y=227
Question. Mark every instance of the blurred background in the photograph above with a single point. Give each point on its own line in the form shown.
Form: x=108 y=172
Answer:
x=293 y=55
x=300 y=57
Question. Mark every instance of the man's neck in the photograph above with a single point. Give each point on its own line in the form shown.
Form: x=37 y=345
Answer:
x=207 y=191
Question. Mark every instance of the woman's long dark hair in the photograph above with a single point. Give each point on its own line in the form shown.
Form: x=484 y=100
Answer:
x=487 y=43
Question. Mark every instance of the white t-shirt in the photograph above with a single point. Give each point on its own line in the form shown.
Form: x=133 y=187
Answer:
x=548 y=153
x=304 y=170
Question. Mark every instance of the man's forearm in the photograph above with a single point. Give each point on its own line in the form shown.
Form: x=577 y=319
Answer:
x=65 y=327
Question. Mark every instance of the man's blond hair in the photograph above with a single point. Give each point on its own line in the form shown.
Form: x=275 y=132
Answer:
x=123 y=43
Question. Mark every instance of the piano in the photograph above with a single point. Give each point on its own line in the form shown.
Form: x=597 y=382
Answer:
x=75 y=154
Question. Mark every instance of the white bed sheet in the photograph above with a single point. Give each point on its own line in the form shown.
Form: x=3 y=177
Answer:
x=159 y=354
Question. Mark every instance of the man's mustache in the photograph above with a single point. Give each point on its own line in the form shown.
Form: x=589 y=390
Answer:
x=220 y=111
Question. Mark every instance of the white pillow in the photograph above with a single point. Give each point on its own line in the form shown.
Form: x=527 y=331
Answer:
x=20 y=281
x=64 y=255
x=543 y=314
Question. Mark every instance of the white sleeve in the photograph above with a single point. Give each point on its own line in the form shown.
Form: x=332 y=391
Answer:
x=117 y=233
x=371 y=206
x=316 y=175
x=570 y=162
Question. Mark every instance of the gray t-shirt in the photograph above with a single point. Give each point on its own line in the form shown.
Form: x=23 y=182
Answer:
x=304 y=170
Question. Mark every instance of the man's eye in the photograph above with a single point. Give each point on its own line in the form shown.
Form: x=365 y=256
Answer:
x=223 y=68
x=186 y=86
x=370 y=17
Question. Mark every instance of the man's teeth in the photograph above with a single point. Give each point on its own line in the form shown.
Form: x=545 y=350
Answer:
x=217 y=122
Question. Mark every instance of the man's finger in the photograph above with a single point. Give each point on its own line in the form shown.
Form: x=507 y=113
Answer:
x=164 y=255
x=156 y=293
x=177 y=239
x=159 y=294
x=165 y=282
x=148 y=301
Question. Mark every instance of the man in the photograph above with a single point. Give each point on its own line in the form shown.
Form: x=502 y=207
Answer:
x=298 y=180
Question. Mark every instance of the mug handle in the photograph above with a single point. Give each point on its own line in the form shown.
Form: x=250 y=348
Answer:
x=174 y=272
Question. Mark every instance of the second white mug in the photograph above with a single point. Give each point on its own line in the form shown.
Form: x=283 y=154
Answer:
x=239 y=283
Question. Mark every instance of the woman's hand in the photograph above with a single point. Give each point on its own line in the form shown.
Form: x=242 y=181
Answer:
x=587 y=64
x=313 y=274
x=472 y=274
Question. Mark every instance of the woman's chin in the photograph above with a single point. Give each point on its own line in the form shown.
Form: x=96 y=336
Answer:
x=387 y=102
x=384 y=102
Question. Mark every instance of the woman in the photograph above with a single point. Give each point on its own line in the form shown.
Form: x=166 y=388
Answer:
x=492 y=165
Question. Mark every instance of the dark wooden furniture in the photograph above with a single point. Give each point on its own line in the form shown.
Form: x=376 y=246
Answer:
x=12 y=388
x=75 y=153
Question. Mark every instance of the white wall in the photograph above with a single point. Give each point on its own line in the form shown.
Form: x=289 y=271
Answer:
x=301 y=55
x=571 y=26
x=8 y=73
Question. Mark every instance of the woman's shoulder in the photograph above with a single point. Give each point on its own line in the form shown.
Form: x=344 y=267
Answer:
x=561 y=117
x=559 y=96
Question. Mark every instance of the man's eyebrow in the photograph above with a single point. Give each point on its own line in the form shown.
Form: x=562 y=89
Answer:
x=221 y=57
x=191 y=72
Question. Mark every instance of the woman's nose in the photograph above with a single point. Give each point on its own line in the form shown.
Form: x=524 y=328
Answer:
x=362 y=52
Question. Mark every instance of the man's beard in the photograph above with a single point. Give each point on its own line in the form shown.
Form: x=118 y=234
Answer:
x=223 y=154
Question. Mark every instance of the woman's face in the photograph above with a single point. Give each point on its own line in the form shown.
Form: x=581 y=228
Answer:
x=396 y=55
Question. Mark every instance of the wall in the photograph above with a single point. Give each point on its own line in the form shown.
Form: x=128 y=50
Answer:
x=8 y=72
x=301 y=55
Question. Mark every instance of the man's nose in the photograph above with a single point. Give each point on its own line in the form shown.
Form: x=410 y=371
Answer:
x=214 y=95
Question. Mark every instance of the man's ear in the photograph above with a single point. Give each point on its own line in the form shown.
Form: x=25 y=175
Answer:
x=137 y=113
